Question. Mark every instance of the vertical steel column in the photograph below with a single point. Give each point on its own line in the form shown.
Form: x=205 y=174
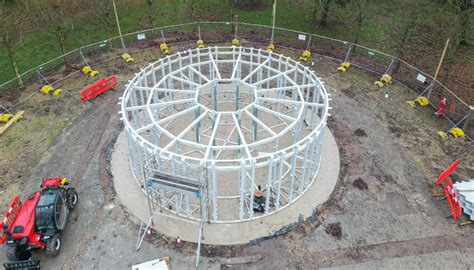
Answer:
x=214 y=190
x=315 y=109
x=239 y=140
x=269 y=183
x=188 y=210
x=254 y=123
x=312 y=151
x=243 y=179
x=214 y=95
x=293 y=173
x=305 y=164
x=153 y=73
x=268 y=70
x=279 y=174
x=199 y=66
x=237 y=94
x=252 y=187
x=197 y=128
x=171 y=94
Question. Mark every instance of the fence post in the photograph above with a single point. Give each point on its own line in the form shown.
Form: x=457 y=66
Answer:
x=439 y=66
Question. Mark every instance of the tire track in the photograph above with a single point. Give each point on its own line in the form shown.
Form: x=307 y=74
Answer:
x=390 y=250
x=104 y=123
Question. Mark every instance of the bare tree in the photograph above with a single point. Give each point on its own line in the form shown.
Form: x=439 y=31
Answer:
x=250 y=4
x=103 y=13
x=12 y=20
x=321 y=11
x=360 y=13
x=150 y=17
x=57 y=16
x=463 y=9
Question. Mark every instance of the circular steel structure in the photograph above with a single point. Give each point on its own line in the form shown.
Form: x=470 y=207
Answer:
x=207 y=128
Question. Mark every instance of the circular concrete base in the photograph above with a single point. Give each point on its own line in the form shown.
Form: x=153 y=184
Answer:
x=134 y=199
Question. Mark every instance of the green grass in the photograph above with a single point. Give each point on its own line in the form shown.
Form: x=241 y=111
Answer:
x=383 y=18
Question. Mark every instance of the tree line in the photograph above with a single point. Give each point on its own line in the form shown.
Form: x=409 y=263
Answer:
x=20 y=18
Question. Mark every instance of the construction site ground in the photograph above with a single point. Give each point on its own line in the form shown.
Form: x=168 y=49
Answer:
x=382 y=213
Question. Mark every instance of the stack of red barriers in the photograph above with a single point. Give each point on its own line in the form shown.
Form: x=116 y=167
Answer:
x=99 y=87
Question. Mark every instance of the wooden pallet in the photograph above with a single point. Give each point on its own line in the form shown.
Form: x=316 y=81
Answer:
x=10 y=122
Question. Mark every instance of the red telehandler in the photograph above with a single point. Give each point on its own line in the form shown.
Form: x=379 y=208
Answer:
x=37 y=223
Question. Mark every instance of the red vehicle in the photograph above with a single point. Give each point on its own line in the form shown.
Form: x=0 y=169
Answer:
x=37 y=223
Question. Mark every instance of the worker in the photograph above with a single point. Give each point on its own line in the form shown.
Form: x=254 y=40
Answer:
x=258 y=200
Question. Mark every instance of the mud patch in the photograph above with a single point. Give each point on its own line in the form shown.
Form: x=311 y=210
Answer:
x=334 y=229
x=360 y=184
x=360 y=133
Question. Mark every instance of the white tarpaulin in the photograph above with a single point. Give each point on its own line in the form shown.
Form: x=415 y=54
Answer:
x=465 y=193
x=159 y=264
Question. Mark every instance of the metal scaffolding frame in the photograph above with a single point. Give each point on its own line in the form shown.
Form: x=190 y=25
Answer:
x=206 y=127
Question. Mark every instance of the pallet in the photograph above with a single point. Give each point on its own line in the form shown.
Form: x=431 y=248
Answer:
x=10 y=122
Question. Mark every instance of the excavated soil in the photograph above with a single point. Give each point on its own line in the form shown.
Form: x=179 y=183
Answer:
x=389 y=221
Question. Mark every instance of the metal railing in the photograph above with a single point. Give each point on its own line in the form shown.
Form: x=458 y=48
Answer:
x=457 y=113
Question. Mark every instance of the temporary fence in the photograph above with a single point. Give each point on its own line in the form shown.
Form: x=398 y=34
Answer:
x=99 y=87
x=53 y=72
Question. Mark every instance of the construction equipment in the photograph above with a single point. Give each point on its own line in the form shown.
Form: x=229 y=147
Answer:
x=23 y=265
x=37 y=223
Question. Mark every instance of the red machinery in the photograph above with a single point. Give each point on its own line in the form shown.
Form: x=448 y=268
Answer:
x=36 y=224
x=99 y=87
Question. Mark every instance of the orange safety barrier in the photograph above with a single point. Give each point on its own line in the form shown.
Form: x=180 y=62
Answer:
x=9 y=218
x=99 y=87
x=452 y=198
x=446 y=173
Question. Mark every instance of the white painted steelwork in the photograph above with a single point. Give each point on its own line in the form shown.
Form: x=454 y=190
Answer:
x=207 y=126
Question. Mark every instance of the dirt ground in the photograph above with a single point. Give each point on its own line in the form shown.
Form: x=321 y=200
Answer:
x=389 y=219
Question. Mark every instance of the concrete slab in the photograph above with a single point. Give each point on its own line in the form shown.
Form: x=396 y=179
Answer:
x=133 y=198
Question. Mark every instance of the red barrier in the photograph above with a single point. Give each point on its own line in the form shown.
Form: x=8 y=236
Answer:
x=9 y=218
x=99 y=87
x=442 y=176
x=453 y=201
